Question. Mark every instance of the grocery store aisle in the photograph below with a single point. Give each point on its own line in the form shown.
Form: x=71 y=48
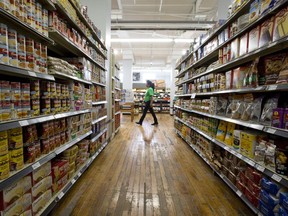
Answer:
x=150 y=171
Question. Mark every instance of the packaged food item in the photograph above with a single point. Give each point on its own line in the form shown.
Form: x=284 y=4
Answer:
x=59 y=169
x=4 y=55
x=277 y=117
x=283 y=75
x=31 y=9
x=41 y=172
x=29 y=154
x=267 y=112
x=285 y=119
x=253 y=42
x=3 y=142
x=281 y=161
x=269 y=158
x=39 y=188
x=15 y=138
x=256 y=109
x=238 y=77
x=16 y=159
x=45 y=22
x=248 y=107
x=35 y=89
x=45 y=88
x=37 y=56
x=270 y=186
x=229 y=134
x=12 y=47
x=254 y=11
x=5 y=4
x=236 y=139
x=235 y=49
x=4 y=166
x=45 y=146
x=266 y=32
x=236 y=107
x=249 y=140
x=37 y=145
x=280 y=24
x=41 y=201
x=266 y=5
x=30 y=134
x=35 y=107
x=30 y=59
x=221 y=131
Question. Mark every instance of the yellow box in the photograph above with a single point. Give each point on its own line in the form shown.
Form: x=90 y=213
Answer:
x=16 y=159
x=248 y=142
x=3 y=143
x=15 y=138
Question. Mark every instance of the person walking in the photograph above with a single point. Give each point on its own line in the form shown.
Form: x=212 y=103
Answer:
x=148 y=100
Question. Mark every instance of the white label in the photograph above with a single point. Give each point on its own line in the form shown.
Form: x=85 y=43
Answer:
x=36 y=165
x=33 y=74
x=272 y=131
x=272 y=87
x=193 y=95
x=260 y=168
x=24 y=123
x=79 y=174
x=252 y=163
x=239 y=193
x=60 y=195
x=73 y=181
x=226 y=147
x=276 y=177
x=260 y=88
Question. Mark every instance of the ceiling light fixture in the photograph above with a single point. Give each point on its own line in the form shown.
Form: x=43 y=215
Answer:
x=150 y=40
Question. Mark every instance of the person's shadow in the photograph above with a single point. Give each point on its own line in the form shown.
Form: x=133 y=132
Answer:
x=147 y=135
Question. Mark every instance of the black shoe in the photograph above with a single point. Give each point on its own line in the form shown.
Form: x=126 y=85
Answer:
x=138 y=123
x=155 y=123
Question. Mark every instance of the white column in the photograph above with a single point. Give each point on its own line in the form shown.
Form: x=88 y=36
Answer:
x=127 y=74
x=222 y=12
x=172 y=91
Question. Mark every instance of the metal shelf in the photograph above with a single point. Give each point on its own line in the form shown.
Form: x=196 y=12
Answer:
x=99 y=119
x=49 y=5
x=14 y=22
x=224 y=178
x=19 y=72
x=73 y=23
x=65 y=76
x=99 y=135
x=96 y=83
x=264 y=128
x=57 y=197
x=99 y=103
x=80 y=15
x=261 y=167
x=29 y=168
x=65 y=47
x=25 y=122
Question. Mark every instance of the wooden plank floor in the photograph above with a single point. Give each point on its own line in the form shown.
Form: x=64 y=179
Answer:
x=149 y=171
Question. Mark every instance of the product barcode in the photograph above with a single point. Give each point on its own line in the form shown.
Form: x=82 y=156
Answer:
x=239 y=193
x=276 y=177
x=36 y=165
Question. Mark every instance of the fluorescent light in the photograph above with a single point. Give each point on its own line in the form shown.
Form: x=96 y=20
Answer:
x=180 y=40
x=141 y=40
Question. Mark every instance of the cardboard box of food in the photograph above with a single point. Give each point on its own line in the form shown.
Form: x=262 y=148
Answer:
x=281 y=24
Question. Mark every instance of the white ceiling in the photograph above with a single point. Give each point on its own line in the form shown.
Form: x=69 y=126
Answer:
x=185 y=19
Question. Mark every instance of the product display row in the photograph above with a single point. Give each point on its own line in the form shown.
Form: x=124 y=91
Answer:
x=257 y=190
x=265 y=110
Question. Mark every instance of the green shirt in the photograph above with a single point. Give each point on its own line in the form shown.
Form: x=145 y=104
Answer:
x=149 y=94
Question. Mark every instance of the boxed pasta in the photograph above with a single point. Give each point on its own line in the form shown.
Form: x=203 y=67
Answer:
x=41 y=201
x=253 y=42
x=281 y=24
x=15 y=191
x=42 y=186
x=41 y=172
x=19 y=207
x=266 y=32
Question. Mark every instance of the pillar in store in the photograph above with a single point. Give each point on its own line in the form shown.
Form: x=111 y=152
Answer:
x=172 y=90
x=127 y=74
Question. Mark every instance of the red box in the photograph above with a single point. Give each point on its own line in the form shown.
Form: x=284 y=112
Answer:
x=243 y=178
x=253 y=175
x=251 y=197
x=255 y=189
x=240 y=186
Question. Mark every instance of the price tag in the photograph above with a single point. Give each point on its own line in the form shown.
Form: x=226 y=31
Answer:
x=239 y=193
x=36 y=165
x=260 y=168
x=276 y=177
x=193 y=95
x=73 y=181
x=79 y=174
x=260 y=88
x=30 y=73
x=272 y=87
x=272 y=131
x=23 y=123
x=60 y=195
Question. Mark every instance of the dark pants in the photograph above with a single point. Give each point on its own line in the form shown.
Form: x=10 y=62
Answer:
x=146 y=108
